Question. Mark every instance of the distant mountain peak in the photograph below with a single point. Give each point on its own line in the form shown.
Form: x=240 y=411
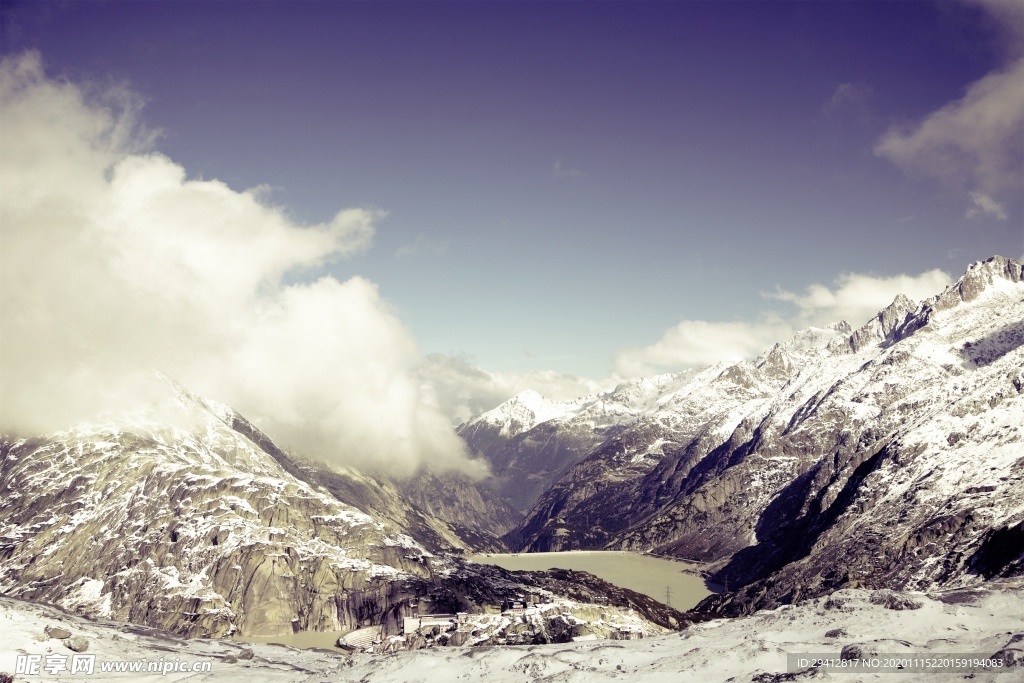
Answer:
x=879 y=328
x=524 y=411
x=779 y=360
x=979 y=277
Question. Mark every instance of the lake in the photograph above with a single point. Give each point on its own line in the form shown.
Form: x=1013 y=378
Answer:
x=303 y=640
x=642 y=573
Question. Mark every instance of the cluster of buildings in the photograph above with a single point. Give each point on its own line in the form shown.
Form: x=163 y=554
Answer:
x=446 y=622
x=510 y=607
x=515 y=607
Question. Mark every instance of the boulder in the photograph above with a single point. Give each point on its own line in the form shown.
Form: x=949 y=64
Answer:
x=77 y=643
x=57 y=632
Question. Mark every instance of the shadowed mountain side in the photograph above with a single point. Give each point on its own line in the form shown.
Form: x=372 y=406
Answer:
x=888 y=456
x=476 y=512
x=383 y=498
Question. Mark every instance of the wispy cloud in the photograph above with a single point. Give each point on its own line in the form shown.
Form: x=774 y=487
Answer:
x=975 y=140
x=695 y=343
x=852 y=297
x=560 y=170
x=983 y=205
x=421 y=245
x=114 y=263
x=856 y=297
x=975 y=143
x=849 y=100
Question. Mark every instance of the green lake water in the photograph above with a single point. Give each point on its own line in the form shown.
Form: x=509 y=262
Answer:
x=642 y=573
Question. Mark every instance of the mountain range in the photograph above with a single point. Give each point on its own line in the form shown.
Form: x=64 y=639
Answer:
x=889 y=455
x=189 y=519
x=886 y=456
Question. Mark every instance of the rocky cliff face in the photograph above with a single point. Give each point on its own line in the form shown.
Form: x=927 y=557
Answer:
x=445 y=513
x=932 y=496
x=477 y=514
x=191 y=520
x=891 y=455
x=667 y=425
x=381 y=497
x=193 y=528
x=529 y=443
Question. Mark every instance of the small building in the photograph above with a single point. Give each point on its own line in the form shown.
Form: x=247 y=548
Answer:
x=627 y=633
x=514 y=607
x=446 y=622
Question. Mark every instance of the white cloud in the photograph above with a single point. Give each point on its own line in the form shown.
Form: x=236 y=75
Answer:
x=977 y=141
x=1009 y=14
x=983 y=205
x=560 y=170
x=695 y=343
x=856 y=297
x=853 y=297
x=114 y=263
x=463 y=390
x=421 y=245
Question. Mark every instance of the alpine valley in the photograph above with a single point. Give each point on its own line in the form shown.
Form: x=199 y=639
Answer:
x=845 y=471
x=890 y=455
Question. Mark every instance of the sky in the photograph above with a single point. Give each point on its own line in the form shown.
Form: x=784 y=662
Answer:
x=336 y=213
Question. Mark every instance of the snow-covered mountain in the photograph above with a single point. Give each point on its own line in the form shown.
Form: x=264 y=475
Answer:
x=188 y=518
x=889 y=455
x=528 y=444
x=151 y=523
x=531 y=442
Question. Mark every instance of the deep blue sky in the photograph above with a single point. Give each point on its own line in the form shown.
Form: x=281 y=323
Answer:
x=564 y=180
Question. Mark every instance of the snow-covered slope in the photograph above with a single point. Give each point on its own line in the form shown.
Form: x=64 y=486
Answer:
x=887 y=455
x=531 y=443
x=987 y=622
x=191 y=526
x=917 y=463
x=525 y=411
x=187 y=518
x=623 y=433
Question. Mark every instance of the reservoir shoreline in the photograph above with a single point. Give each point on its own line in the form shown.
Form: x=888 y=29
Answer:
x=679 y=582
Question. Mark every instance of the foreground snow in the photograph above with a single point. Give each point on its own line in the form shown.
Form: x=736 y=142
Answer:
x=977 y=621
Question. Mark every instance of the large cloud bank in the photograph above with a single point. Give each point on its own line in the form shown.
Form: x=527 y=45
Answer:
x=114 y=263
